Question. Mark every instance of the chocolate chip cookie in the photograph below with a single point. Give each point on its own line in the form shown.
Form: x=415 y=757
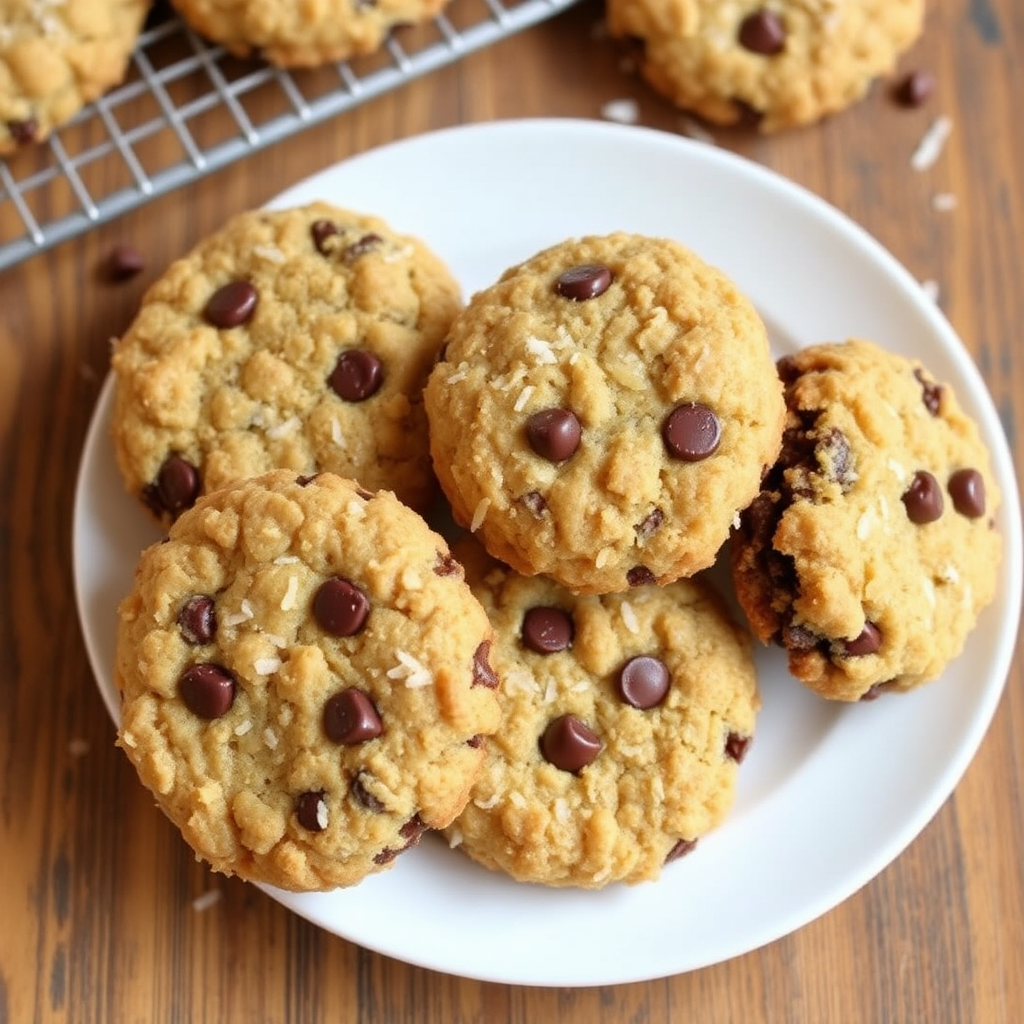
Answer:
x=305 y=680
x=604 y=411
x=624 y=719
x=871 y=549
x=297 y=339
x=303 y=34
x=781 y=62
x=57 y=56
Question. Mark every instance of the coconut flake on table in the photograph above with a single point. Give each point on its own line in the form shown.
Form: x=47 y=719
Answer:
x=931 y=289
x=207 y=900
x=929 y=149
x=623 y=111
x=693 y=129
x=943 y=202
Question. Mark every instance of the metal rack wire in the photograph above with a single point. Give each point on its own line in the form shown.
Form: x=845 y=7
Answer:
x=215 y=109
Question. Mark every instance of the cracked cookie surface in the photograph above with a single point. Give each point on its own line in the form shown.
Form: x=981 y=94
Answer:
x=871 y=550
x=305 y=680
x=624 y=718
x=603 y=411
x=298 y=339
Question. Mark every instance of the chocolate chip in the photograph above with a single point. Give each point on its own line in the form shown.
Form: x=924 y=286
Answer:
x=569 y=743
x=691 y=432
x=124 y=261
x=412 y=830
x=647 y=527
x=587 y=281
x=446 y=565
x=340 y=607
x=197 y=620
x=868 y=641
x=534 y=503
x=875 y=691
x=361 y=794
x=547 y=630
x=350 y=717
x=321 y=230
x=788 y=369
x=231 y=305
x=931 y=393
x=644 y=681
x=177 y=485
x=681 y=849
x=554 y=434
x=736 y=746
x=208 y=690
x=915 y=88
x=640 y=576
x=361 y=247
x=483 y=674
x=967 y=489
x=25 y=131
x=923 y=498
x=306 y=479
x=762 y=32
x=307 y=810
x=475 y=742
x=834 y=456
x=357 y=375
x=799 y=638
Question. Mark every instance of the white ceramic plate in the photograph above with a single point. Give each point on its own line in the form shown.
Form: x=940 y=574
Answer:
x=828 y=795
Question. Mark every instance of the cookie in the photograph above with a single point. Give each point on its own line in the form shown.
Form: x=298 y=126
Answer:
x=304 y=680
x=56 y=57
x=296 y=339
x=303 y=35
x=783 y=62
x=624 y=719
x=871 y=549
x=603 y=411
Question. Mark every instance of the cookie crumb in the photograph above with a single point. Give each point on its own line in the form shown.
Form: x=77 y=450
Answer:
x=929 y=149
x=623 y=111
x=78 y=747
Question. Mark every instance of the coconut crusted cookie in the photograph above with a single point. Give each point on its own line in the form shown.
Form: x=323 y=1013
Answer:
x=303 y=34
x=56 y=57
x=304 y=679
x=298 y=339
x=871 y=549
x=786 y=62
x=604 y=411
x=624 y=718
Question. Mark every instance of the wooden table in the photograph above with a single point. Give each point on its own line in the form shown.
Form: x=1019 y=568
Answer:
x=97 y=921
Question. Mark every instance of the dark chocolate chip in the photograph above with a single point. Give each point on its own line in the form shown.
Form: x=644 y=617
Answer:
x=25 y=131
x=350 y=717
x=340 y=607
x=446 y=565
x=931 y=393
x=569 y=743
x=736 y=746
x=554 y=434
x=412 y=831
x=475 y=742
x=835 y=458
x=587 y=281
x=321 y=230
x=923 y=498
x=124 y=261
x=177 y=485
x=306 y=480
x=307 y=810
x=483 y=674
x=691 y=432
x=876 y=691
x=648 y=526
x=640 y=576
x=357 y=375
x=967 y=489
x=231 y=305
x=547 y=630
x=366 y=244
x=197 y=620
x=915 y=88
x=207 y=690
x=868 y=641
x=644 y=681
x=534 y=503
x=386 y=856
x=681 y=849
x=799 y=638
x=762 y=32
x=787 y=369
x=363 y=796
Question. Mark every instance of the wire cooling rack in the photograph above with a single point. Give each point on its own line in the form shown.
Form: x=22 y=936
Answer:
x=187 y=108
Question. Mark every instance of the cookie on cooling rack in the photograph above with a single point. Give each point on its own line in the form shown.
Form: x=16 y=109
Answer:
x=624 y=719
x=786 y=62
x=303 y=35
x=298 y=339
x=56 y=57
x=603 y=412
x=871 y=549
x=304 y=679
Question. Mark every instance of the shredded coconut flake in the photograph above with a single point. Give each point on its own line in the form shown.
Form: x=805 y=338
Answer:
x=602 y=557
x=336 y=435
x=278 y=641
x=929 y=149
x=550 y=692
x=624 y=111
x=695 y=130
x=207 y=900
x=524 y=396
x=270 y=253
x=516 y=799
x=491 y=801
x=290 y=594
x=897 y=469
x=266 y=666
x=321 y=813
x=457 y=377
x=398 y=254
x=629 y=619
x=243 y=614
x=283 y=429
x=948 y=574
x=737 y=520
x=356 y=509
x=286 y=560
x=865 y=524
x=285 y=715
x=270 y=738
x=414 y=673
x=541 y=351
x=561 y=809
x=454 y=838
x=929 y=591
x=519 y=680
x=479 y=514
x=580 y=687
x=411 y=579
x=243 y=727
x=129 y=740
x=943 y=202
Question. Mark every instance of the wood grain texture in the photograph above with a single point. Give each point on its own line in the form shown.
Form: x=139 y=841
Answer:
x=97 y=922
